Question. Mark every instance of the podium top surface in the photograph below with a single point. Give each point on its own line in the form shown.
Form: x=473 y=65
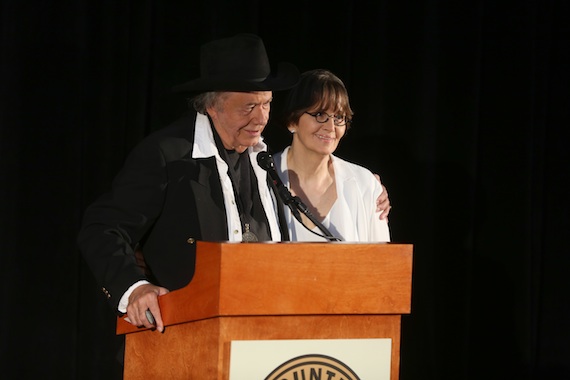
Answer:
x=291 y=278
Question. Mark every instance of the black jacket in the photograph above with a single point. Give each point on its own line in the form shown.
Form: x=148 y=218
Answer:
x=163 y=202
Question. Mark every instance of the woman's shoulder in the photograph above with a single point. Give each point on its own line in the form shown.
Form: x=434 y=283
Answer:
x=348 y=168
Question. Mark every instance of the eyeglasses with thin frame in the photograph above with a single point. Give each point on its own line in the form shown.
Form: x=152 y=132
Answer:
x=323 y=117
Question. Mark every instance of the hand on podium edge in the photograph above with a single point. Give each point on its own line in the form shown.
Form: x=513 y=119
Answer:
x=142 y=301
x=382 y=202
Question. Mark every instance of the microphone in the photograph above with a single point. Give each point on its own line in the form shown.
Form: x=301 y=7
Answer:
x=265 y=161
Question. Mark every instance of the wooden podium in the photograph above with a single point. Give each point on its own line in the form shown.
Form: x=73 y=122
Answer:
x=289 y=290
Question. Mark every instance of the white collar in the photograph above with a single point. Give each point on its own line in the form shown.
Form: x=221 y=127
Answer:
x=204 y=144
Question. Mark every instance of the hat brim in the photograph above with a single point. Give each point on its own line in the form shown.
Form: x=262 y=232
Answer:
x=286 y=77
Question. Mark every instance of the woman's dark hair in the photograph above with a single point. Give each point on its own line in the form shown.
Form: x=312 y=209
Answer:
x=317 y=90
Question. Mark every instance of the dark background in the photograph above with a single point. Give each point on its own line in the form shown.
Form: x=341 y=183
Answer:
x=461 y=106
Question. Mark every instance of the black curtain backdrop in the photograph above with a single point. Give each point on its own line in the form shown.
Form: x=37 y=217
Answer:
x=461 y=106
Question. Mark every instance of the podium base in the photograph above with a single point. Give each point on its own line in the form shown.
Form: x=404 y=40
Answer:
x=201 y=349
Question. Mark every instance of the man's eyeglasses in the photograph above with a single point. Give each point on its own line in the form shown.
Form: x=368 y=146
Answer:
x=323 y=117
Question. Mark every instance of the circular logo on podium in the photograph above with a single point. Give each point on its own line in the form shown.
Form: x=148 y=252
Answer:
x=313 y=366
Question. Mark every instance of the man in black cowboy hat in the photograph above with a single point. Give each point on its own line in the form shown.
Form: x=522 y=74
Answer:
x=190 y=181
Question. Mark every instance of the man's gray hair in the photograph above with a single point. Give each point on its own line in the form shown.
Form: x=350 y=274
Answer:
x=205 y=100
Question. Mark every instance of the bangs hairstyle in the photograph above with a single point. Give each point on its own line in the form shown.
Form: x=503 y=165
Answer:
x=317 y=91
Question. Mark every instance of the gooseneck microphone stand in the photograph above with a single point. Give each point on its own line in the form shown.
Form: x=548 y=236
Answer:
x=265 y=161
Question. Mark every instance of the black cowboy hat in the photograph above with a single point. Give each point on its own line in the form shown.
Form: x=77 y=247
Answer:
x=239 y=63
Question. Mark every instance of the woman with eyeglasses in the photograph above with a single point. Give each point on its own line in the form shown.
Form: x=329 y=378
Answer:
x=340 y=195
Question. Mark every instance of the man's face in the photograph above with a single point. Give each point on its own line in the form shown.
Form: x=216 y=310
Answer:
x=240 y=117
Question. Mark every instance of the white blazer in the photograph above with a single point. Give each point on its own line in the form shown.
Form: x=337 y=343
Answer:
x=353 y=216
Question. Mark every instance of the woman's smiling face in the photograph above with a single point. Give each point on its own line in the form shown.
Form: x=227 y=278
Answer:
x=321 y=138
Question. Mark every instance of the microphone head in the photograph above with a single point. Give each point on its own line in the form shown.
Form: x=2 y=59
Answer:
x=265 y=160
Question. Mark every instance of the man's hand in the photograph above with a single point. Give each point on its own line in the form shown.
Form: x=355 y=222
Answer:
x=383 y=202
x=143 y=298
